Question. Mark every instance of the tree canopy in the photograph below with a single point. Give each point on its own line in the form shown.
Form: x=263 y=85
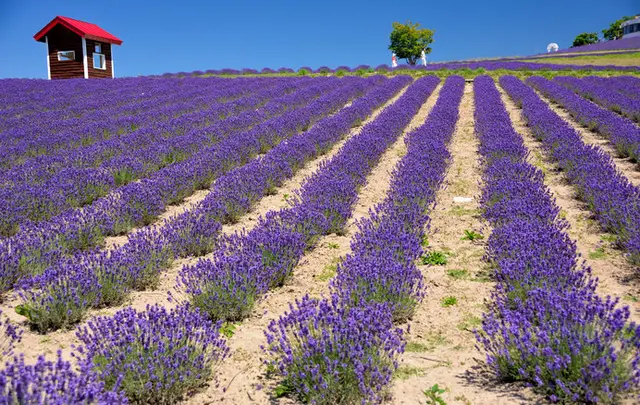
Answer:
x=409 y=40
x=615 y=30
x=585 y=38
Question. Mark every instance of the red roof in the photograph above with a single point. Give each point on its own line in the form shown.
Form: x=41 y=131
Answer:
x=82 y=28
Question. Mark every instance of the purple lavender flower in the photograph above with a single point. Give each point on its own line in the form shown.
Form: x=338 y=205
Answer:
x=47 y=382
x=154 y=356
x=327 y=353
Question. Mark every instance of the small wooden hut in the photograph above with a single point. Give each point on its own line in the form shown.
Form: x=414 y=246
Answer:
x=77 y=49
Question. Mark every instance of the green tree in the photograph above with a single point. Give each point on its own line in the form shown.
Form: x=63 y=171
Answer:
x=585 y=38
x=409 y=40
x=615 y=30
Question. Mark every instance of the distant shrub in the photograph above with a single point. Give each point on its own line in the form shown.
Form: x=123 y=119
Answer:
x=362 y=67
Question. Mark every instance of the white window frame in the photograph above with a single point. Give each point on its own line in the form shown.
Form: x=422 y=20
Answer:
x=102 y=58
x=66 y=60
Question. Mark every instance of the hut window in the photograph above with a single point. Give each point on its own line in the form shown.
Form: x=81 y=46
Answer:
x=98 y=48
x=65 y=56
x=99 y=61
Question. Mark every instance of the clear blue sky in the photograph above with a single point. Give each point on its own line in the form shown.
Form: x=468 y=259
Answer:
x=172 y=36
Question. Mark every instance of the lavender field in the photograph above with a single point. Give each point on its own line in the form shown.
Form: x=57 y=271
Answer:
x=328 y=239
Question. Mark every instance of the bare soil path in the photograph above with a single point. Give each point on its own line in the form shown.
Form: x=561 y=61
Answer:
x=242 y=376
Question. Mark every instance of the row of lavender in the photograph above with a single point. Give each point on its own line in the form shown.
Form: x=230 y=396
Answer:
x=623 y=134
x=63 y=293
x=72 y=116
x=545 y=324
x=606 y=191
x=344 y=349
x=139 y=203
x=51 y=185
x=157 y=356
x=606 y=92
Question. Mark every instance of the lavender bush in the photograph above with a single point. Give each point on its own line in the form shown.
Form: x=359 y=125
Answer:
x=327 y=353
x=53 y=383
x=10 y=335
x=154 y=356
x=605 y=93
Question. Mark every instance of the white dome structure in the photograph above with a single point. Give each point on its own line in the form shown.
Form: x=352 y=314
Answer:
x=552 y=47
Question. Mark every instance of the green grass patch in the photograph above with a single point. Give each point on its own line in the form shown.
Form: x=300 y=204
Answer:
x=460 y=211
x=329 y=270
x=619 y=59
x=458 y=274
x=406 y=372
x=434 y=258
x=469 y=323
x=416 y=347
x=597 y=254
x=433 y=395
x=471 y=235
